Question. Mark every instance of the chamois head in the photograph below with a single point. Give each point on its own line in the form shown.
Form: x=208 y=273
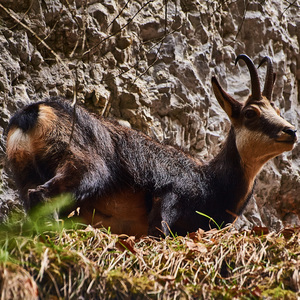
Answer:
x=260 y=131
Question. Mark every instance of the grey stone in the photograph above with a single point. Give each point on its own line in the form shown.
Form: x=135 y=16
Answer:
x=154 y=72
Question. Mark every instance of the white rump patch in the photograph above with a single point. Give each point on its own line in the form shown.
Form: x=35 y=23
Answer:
x=18 y=140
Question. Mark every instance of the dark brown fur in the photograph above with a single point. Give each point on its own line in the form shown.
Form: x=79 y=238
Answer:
x=120 y=178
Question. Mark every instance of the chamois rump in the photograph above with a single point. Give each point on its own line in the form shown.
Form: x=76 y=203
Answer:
x=122 y=179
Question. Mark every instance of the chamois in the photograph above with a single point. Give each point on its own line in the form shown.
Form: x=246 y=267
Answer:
x=122 y=179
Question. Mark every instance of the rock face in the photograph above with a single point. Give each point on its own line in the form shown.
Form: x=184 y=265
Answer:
x=150 y=64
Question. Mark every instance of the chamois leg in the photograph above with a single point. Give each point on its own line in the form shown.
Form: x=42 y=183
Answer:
x=65 y=181
x=164 y=214
x=42 y=192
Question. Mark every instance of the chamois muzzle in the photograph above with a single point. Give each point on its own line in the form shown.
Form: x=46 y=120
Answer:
x=287 y=135
x=291 y=133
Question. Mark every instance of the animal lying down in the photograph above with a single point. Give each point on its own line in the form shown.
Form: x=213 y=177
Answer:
x=122 y=179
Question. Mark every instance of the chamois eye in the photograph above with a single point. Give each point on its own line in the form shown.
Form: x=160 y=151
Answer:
x=250 y=114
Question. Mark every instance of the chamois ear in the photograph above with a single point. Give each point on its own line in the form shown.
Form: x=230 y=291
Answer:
x=230 y=105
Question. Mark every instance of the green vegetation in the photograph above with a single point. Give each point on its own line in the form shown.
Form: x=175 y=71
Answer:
x=211 y=219
x=41 y=258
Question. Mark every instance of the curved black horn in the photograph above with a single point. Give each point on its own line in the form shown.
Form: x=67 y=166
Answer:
x=255 y=86
x=269 y=82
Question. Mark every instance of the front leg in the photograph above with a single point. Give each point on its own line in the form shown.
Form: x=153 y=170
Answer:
x=66 y=180
x=164 y=215
x=80 y=178
x=42 y=193
x=35 y=196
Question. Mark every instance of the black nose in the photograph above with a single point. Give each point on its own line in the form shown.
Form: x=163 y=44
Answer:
x=289 y=131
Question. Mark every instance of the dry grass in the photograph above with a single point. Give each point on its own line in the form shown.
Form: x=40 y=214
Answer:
x=89 y=263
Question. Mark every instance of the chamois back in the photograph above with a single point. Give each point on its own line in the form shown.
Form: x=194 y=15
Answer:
x=122 y=179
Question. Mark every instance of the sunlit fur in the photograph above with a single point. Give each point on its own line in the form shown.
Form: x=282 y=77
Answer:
x=122 y=179
x=258 y=139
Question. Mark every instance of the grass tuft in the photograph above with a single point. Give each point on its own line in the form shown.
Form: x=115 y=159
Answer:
x=41 y=258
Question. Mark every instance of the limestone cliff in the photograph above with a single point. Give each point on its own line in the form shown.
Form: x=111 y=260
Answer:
x=149 y=63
